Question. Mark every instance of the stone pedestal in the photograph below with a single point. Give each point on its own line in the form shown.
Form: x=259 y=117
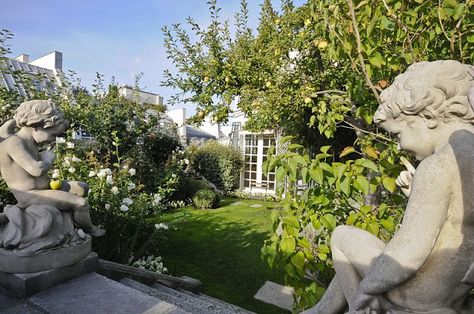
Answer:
x=26 y=284
x=12 y=263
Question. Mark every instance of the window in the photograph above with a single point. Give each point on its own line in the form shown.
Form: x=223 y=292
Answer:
x=255 y=151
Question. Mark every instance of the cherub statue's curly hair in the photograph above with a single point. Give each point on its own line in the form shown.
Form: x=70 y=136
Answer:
x=40 y=113
x=433 y=90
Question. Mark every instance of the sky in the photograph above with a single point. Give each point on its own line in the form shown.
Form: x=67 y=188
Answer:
x=117 y=38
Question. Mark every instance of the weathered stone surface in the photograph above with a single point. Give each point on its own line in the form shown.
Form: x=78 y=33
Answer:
x=428 y=266
x=27 y=284
x=93 y=293
x=276 y=294
x=44 y=217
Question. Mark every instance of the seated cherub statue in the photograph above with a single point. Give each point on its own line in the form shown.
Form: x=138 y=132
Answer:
x=428 y=265
x=25 y=168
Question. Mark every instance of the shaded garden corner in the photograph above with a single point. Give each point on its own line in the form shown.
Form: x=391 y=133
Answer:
x=221 y=248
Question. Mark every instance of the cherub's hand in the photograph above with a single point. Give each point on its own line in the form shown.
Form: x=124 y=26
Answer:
x=47 y=156
x=405 y=177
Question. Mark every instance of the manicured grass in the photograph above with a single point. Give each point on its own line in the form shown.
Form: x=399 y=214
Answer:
x=221 y=247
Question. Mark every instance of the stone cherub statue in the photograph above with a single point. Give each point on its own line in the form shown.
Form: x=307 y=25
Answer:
x=41 y=219
x=428 y=266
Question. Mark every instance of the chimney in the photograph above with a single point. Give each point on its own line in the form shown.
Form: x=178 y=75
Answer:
x=23 y=58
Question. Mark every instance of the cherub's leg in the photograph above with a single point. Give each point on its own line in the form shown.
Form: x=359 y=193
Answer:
x=75 y=187
x=63 y=201
x=353 y=251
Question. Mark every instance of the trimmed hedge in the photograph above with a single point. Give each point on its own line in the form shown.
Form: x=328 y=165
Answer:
x=220 y=164
x=205 y=199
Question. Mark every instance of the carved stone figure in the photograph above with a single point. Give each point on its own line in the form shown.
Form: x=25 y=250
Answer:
x=428 y=266
x=44 y=220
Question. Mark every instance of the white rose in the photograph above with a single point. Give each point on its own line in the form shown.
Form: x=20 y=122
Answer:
x=124 y=208
x=102 y=173
x=72 y=170
x=107 y=206
x=127 y=201
x=92 y=174
x=114 y=190
x=131 y=186
x=55 y=174
x=69 y=145
x=60 y=140
x=109 y=180
x=132 y=171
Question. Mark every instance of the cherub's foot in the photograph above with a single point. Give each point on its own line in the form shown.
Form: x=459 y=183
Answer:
x=95 y=232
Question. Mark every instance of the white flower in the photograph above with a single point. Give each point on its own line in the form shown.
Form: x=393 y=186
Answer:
x=186 y=161
x=173 y=175
x=55 y=174
x=72 y=170
x=70 y=145
x=293 y=54
x=165 y=270
x=107 y=206
x=157 y=200
x=127 y=201
x=66 y=162
x=104 y=172
x=75 y=159
x=125 y=167
x=131 y=186
x=132 y=171
x=60 y=140
x=161 y=226
x=109 y=180
x=124 y=208
x=114 y=190
x=92 y=174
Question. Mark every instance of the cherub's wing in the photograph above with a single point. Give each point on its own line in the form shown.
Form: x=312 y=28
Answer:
x=6 y=130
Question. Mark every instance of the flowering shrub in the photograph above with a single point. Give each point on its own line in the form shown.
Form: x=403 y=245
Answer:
x=151 y=263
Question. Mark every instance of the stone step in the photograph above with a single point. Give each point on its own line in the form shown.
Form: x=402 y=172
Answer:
x=231 y=308
x=94 y=293
x=184 y=299
x=167 y=295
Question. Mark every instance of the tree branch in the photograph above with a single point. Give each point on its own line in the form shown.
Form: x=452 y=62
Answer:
x=359 y=51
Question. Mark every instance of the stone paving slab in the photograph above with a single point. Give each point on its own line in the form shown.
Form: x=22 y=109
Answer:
x=94 y=293
x=276 y=294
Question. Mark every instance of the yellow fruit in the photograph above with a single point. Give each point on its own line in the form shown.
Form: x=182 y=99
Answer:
x=322 y=44
x=55 y=184
x=308 y=100
x=268 y=84
x=201 y=114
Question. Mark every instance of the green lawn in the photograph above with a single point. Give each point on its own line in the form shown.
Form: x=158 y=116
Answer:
x=221 y=247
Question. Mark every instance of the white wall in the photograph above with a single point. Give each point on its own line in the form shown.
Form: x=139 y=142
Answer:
x=140 y=96
x=51 y=61
x=179 y=117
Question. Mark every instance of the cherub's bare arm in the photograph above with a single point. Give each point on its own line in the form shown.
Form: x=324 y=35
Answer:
x=412 y=244
x=25 y=159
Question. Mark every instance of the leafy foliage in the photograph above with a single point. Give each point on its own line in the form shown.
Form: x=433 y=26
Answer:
x=206 y=199
x=315 y=72
x=218 y=163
